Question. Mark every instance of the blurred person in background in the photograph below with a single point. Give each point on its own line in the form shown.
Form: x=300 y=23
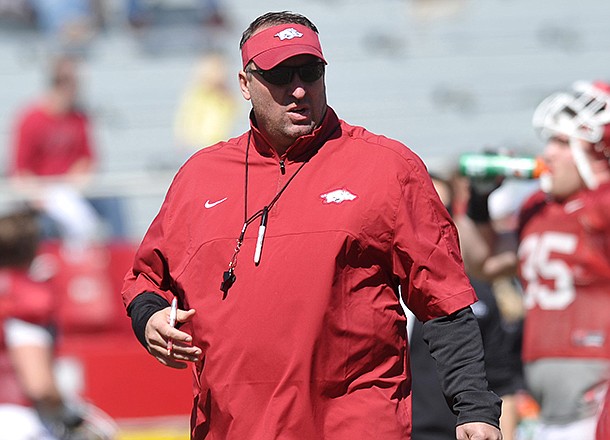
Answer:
x=564 y=264
x=31 y=406
x=52 y=134
x=564 y=258
x=432 y=417
x=300 y=333
x=207 y=109
x=53 y=139
x=69 y=25
x=17 y=12
x=143 y=13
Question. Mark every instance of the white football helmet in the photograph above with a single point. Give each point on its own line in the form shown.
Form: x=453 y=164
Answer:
x=583 y=115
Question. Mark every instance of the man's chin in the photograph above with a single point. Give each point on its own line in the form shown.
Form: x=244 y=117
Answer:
x=302 y=130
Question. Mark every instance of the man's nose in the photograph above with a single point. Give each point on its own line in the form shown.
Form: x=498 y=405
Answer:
x=298 y=88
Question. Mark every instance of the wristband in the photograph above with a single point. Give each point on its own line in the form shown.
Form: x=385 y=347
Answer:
x=141 y=309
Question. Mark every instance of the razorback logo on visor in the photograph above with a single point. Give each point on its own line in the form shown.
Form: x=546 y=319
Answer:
x=338 y=196
x=288 y=34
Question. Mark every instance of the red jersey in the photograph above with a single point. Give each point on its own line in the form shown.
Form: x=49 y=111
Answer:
x=564 y=257
x=47 y=144
x=27 y=300
x=310 y=343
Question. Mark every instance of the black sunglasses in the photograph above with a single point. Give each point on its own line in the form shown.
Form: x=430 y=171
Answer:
x=282 y=75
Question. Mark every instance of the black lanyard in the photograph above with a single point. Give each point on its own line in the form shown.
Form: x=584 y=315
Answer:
x=228 y=276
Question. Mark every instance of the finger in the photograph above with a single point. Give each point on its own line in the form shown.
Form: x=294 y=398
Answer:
x=158 y=330
x=181 y=346
x=172 y=363
x=178 y=337
x=185 y=315
x=176 y=359
x=185 y=352
x=177 y=356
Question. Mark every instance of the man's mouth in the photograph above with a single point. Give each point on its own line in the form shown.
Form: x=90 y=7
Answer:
x=299 y=113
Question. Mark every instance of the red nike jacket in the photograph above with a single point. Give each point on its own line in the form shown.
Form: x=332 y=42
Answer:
x=311 y=343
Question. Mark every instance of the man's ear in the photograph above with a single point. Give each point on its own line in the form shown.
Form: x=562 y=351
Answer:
x=244 y=85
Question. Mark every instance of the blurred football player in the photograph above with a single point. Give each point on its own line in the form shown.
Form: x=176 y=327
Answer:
x=564 y=264
x=31 y=404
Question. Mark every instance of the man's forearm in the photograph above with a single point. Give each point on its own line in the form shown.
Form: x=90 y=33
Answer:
x=455 y=343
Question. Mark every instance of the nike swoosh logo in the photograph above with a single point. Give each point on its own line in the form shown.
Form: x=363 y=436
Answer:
x=209 y=204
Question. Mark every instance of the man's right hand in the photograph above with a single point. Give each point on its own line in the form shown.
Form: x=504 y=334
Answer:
x=159 y=332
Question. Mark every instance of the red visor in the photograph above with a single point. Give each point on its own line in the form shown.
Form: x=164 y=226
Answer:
x=273 y=45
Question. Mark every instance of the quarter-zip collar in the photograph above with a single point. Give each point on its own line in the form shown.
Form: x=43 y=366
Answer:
x=302 y=148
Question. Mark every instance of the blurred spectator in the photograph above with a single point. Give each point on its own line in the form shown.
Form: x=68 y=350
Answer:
x=207 y=110
x=142 y=13
x=18 y=12
x=166 y=27
x=432 y=418
x=52 y=139
x=71 y=24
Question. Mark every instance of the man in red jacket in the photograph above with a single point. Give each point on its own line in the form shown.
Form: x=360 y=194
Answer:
x=287 y=249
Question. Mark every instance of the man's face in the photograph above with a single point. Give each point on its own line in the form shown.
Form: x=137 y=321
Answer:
x=66 y=85
x=285 y=112
x=565 y=178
